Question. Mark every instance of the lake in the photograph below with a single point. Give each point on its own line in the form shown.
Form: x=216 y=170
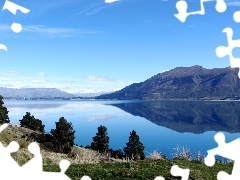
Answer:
x=161 y=125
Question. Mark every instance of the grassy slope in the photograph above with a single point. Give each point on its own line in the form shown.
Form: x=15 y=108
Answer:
x=91 y=163
x=147 y=169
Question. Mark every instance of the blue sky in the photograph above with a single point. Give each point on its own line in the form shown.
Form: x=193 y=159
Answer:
x=84 y=46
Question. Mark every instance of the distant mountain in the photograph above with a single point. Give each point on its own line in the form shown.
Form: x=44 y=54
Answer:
x=188 y=116
x=33 y=93
x=193 y=82
x=91 y=94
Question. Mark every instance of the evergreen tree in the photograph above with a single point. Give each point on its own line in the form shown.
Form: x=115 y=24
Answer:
x=30 y=122
x=101 y=140
x=135 y=148
x=3 y=112
x=63 y=136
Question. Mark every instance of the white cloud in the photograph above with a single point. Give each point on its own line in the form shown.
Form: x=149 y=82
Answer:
x=57 y=4
x=40 y=74
x=91 y=8
x=10 y=73
x=70 y=82
x=37 y=81
x=165 y=70
x=61 y=32
x=116 y=89
x=4 y=27
x=99 y=78
x=234 y=3
x=111 y=1
x=95 y=11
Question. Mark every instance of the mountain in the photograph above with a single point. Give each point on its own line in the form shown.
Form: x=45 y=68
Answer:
x=94 y=94
x=193 y=82
x=33 y=93
x=188 y=116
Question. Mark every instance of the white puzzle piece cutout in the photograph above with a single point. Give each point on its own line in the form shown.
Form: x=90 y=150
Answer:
x=222 y=51
x=12 y=7
x=228 y=150
x=177 y=171
x=182 y=7
x=3 y=47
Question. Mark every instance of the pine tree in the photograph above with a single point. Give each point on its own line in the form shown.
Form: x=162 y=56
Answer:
x=29 y=121
x=3 y=112
x=101 y=140
x=134 y=149
x=63 y=136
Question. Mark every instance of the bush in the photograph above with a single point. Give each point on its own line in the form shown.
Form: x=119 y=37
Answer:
x=134 y=149
x=3 y=112
x=101 y=140
x=156 y=155
x=63 y=136
x=182 y=153
x=30 y=122
x=117 y=154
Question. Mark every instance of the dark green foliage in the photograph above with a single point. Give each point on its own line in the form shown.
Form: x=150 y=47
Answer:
x=48 y=141
x=44 y=139
x=30 y=122
x=63 y=136
x=117 y=154
x=134 y=149
x=3 y=112
x=48 y=137
x=101 y=140
x=40 y=137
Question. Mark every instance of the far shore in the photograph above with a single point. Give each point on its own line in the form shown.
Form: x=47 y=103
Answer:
x=93 y=99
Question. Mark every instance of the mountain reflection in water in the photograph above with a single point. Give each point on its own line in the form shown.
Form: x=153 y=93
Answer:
x=188 y=116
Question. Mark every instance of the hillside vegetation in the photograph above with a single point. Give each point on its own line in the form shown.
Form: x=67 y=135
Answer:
x=95 y=165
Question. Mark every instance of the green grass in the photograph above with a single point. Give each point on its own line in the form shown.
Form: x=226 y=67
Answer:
x=146 y=169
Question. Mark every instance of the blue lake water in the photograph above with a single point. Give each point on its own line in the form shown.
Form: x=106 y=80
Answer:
x=161 y=125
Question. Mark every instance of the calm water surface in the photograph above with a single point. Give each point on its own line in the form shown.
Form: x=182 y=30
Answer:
x=161 y=125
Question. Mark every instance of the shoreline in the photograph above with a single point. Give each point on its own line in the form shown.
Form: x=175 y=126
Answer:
x=92 y=99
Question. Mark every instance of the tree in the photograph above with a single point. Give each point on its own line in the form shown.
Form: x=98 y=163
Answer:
x=30 y=122
x=101 y=140
x=3 y=112
x=135 y=148
x=63 y=136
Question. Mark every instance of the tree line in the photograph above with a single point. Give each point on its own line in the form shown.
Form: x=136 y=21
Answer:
x=61 y=139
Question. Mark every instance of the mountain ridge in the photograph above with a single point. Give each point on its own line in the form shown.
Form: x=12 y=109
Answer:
x=33 y=93
x=193 y=82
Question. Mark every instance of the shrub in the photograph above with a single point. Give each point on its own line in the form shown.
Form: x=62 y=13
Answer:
x=63 y=136
x=182 y=153
x=117 y=154
x=30 y=122
x=156 y=155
